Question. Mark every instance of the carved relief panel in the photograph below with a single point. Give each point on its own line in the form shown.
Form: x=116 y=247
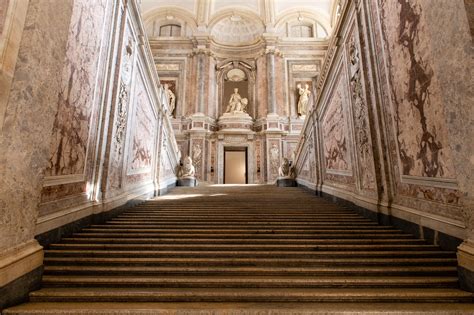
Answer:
x=363 y=143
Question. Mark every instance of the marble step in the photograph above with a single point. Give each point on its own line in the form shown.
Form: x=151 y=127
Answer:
x=250 y=282
x=243 y=236
x=147 y=240
x=255 y=215
x=221 y=227
x=255 y=225
x=246 y=254
x=151 y=229
x=254 y=271
x=249 y=247
x=250 y=295
x=243 y=222
x=288 y=308
x=235 y=262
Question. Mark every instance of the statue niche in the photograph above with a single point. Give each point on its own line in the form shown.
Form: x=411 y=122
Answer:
x=236 y=81
x=237 y=103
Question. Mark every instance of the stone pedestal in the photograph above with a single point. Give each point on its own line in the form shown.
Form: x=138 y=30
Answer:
x=236 y=121
x=286 y=182
x=187 y=181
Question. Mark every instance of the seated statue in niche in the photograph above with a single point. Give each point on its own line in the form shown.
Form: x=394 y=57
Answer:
x=303 y=99
x=237 y=103
x=286 y=170
x=187 y=170
x=171 y=98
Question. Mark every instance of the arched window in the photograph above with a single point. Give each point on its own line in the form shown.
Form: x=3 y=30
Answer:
x=301 y=31
x=170 y=30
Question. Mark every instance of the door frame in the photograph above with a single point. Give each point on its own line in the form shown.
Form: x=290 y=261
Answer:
x=238 y=149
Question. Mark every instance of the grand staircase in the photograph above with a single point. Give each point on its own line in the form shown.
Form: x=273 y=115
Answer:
x=243 y=250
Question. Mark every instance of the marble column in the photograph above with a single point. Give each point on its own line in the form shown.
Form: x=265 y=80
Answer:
x=271 y=81
x=201 y=82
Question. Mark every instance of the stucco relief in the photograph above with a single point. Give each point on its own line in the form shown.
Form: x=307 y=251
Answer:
x=309 y=165
x=144 y=131
x=77 y=93
x=197 y=157
x=361 y=121
x=421 y=130
x=274 y=158
x=334 y=128
x=122 y=110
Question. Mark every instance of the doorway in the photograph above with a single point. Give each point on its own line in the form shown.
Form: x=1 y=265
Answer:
x=235 y=165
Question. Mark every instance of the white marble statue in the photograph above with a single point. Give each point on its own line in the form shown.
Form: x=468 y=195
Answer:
x=171 y=98
x=286 y=170
x=187 y=170
x=303 y=99
x=237 y=103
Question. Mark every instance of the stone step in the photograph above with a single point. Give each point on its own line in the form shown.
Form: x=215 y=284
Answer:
x=248 y=247
x=231 y=216
x=243 y=236
x=240 y=223
x=250 y=282
x=254 y=271
x=243 y=228
x=288 y=308
x=250 y=295
x=244 y=254
x=146 y=240
x=274 y=262
x=238 y=231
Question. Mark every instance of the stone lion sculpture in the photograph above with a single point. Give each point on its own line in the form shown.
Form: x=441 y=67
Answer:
x=286 y=170
x=187 y=169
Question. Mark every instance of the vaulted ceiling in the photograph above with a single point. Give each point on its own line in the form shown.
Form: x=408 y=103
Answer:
x=243 y=21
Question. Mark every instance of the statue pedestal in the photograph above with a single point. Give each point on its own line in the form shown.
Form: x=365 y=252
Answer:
x=236 y=120
x=286 y=182
x=187 y=182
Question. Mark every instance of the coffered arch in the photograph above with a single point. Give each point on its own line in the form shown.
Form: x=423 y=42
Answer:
x=236 y=27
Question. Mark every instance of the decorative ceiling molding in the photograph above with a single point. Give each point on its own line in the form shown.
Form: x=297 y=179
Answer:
x=236 y=27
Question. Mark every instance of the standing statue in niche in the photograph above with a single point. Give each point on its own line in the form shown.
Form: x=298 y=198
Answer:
x=171 y=98
x=237 y=103
x=303 y=99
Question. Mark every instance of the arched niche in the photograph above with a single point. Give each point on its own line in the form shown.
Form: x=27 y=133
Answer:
x=233 y=74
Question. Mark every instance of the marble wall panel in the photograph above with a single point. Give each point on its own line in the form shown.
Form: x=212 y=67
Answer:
x=420 y=124
x=274 y=158
x=280 y=81
x=198 y=156
x=4 y=4
x=78 y=94
x=28 y=118
x=335 y=129
x=122 y=108
x=143 y=132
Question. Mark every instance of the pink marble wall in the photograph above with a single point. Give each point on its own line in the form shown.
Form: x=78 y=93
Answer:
x=335 y=130
x=280 y=92
x=416 y=93
x=77 y=96
x=261 y=82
